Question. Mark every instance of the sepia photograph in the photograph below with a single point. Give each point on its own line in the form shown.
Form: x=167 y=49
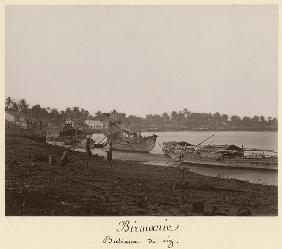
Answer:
x=141 y=110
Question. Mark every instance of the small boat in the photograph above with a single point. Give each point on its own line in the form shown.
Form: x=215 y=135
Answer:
x=35 y=134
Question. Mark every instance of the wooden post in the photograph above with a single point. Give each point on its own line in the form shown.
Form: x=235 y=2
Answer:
x=87 y=152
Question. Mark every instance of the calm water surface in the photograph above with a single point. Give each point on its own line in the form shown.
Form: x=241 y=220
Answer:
x=267 y=140
x=267 y=177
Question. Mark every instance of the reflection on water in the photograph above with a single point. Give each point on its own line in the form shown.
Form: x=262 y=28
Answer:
x=267 y=177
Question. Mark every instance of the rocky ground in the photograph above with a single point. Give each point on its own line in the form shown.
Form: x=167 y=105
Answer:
x=34 y=187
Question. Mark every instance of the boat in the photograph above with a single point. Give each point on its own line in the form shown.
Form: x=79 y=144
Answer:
x=220 y=155
x=143 y=144
x=124 y=139
x=35 y=133
x=69 y=135
x=31 y=133
x=173 y=148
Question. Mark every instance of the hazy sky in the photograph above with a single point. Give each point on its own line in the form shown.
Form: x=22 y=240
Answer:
x=144 y=59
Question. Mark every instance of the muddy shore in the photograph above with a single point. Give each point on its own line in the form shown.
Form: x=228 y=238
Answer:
x=33 y=187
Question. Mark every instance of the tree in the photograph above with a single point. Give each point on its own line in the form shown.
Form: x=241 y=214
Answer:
x=246 y=122
x=186 y=112
x=23 y=106
x=174 y=118
x=235 y=121
x=99 y=115
x=14 y=107
x=262 y=119
x=36 y=111
x=84 y=114
x=177 y=119
x=165 y=118
x=255 y=119
x=121 y=117
x=225 y=118
x=135 y=122
x=8 y=103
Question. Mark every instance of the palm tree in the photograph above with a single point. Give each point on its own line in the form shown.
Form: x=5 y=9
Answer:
x=8 y=103
x=235 y=121
x=14 y=107
x=100 y=116
x=186 y=112
x=36 y=111
x=165 y=118
x=23 y=106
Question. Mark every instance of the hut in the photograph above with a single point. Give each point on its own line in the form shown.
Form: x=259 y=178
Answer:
x=232 y=151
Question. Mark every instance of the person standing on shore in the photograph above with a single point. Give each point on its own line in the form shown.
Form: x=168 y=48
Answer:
x=88 y=151
x=65 y=159
x=110 y=153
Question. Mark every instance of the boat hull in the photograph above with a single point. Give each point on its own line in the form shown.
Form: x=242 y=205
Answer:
x=67 y=140
x=213 y=159
x=34 y=134
x=143 y=144
x=267 y=163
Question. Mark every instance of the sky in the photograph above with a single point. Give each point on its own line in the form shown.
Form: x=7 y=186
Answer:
x=144 y=59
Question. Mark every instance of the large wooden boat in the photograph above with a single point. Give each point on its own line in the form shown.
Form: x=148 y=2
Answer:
x=220 y=156
x=138 y=144
x=123 y=139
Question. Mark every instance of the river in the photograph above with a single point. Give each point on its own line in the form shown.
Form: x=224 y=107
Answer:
x=260 y=140
x=267 y=140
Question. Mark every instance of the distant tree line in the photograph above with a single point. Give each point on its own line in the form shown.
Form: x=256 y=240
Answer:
x=52 y=115
x=181 y=120
x=186 y=120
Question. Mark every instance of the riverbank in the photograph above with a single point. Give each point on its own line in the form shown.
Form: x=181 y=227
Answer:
x=33 y=187
x=207 y=129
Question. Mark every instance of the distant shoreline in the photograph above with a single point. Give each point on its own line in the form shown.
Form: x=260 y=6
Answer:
x=205 y=130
